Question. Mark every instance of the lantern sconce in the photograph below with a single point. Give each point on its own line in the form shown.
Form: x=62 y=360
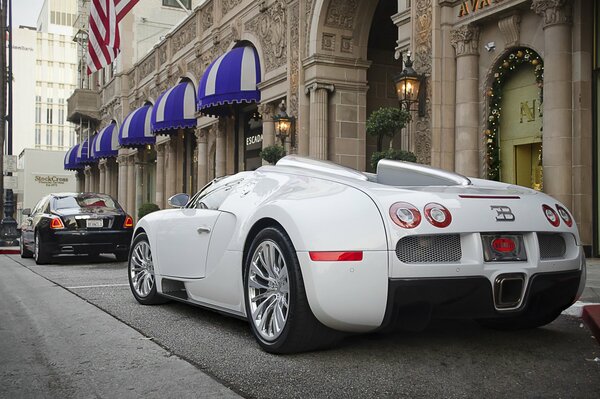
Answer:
x=411 y=87
x=284 y=124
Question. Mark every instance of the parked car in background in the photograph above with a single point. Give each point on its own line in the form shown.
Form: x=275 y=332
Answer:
x=75 y=223
x=307 y=249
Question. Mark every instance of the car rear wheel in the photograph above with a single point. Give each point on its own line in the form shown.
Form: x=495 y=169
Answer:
x=141 y=272
x=40 y=253
x=25 y=253
x=276 y=304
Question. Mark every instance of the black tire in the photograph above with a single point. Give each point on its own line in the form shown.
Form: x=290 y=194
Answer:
x=524 y=321
x=302 y=331
x=122 y=256
x=40 y=253
x=25 y=253
x=138 y=277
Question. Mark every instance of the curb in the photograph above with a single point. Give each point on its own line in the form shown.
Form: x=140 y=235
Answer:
x=9 y=251
x=591 y=317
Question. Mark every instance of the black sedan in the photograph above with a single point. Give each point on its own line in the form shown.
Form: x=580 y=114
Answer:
x=70 y=223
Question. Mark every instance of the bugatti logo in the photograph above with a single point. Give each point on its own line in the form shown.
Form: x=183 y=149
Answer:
x=503 y=213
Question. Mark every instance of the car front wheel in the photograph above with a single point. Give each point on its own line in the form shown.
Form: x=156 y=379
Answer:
x=141 y=272
x=276 y=304
x=40 y=252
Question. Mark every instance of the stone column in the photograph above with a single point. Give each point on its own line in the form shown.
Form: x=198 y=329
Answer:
x=87 y=173
x=122 y=188
x=171 y=161
x=557 y=138
x=139 y=180
x=465 y=41
x=319 y=96
x=267 y=111
x=80 y=181
x=221 y=148
x=160 y=175
x=131 y=185
x=107 y=177
x=202 y=143
x=102 y=171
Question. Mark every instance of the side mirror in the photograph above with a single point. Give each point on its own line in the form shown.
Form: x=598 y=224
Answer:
x=179 y=200
x=26 y=212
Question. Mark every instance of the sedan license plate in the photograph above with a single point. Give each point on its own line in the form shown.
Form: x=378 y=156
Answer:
x=503 y=247
x=94 y=223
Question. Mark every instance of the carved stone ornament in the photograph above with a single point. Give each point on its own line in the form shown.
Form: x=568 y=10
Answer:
x=422 y=64
x=162 y=54
x=267 y=110
x=308 y=11
x=236 y=30
x=201 y=134
x=294 y=68
x=207 y=17
x=509 y=27
x=554 y=12
x=341 y=14
x=270 y=27
x=147 y=67
x=347 y=46
x=465 y=40
x=183 y=36
x=229 y=5
x=328 y=41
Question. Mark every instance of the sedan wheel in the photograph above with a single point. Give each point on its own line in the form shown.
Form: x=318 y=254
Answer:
x=40 y=254
x=276 y=303
x=141 y=272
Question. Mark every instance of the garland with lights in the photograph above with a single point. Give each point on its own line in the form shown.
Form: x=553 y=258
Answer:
x=507 y=67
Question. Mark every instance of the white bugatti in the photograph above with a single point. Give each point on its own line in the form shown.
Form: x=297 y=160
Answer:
x=308 y=250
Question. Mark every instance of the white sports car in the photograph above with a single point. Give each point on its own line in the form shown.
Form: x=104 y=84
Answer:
x=306 y=250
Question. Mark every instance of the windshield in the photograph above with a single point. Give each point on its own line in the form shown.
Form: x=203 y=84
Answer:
x=85 y=201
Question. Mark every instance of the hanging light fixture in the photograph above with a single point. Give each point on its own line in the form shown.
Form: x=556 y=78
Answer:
x=284 y=124
x=410 y=87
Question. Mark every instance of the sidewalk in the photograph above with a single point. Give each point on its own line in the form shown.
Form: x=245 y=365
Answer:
x=590 y=299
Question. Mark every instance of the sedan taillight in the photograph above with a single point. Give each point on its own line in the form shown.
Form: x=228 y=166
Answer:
x=128 y=222
x=56 y=223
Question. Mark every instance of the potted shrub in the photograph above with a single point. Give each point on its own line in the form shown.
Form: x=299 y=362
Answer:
x=146 y=209
x=272 y=153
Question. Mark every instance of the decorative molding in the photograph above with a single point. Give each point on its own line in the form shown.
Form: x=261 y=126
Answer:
x=294 y=56
x=201 y=134
x=147 y=67
x=270 y=27
x=347 y=45
x=341 y=13
x=308 y=12
x=319 y=86
x=422 y=63
x=554 y=12
x=465 y=40
x=236 y=29
x=162 y=54
x=267 y=110
x=510 y=28
x=328 y=41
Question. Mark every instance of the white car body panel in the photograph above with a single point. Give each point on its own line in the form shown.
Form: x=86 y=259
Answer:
x=337 y=209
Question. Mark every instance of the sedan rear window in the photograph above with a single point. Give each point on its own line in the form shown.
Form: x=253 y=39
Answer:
x=85 y=201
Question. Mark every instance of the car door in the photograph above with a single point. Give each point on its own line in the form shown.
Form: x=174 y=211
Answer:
x=184 y=237
x=29 y=223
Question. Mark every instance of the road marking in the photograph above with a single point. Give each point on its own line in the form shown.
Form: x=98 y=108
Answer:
x=97 y=286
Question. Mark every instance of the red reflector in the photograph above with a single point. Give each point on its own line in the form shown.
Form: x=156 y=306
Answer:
x=336 y=256
x=56 y=223
x=504 y=244
x=128 y=222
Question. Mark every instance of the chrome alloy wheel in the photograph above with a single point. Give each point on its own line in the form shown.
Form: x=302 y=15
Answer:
x=36 y=246
x=141 y=269
x=268 y=290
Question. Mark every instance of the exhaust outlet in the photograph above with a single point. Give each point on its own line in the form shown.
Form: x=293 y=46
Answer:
x=508 y=290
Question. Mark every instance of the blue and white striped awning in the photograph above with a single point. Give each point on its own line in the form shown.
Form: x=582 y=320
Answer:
x=231 y=78
x=174 y=109
x=71 y=159
x=83 y=158
x=136 y=130
x=106 y=143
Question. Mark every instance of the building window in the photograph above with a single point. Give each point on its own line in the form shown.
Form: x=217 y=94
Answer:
x=38 y=109
x=38 y=135
x=61 y=137
x=173 y=3
x=72 y=138
x=61 y=111
x=49 y=112
x=49 y=135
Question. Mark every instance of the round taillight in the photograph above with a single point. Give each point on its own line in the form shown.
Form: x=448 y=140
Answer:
x=551 y=215
x=504 y=244
x=405 y=215
x=564 y=215
x=437 y=215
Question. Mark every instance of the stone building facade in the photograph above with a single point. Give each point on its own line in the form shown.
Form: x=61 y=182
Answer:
x=509 y=92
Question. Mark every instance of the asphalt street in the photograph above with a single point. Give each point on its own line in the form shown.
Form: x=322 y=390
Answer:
x=182 y=342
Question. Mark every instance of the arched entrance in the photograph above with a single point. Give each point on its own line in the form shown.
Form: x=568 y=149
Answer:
x=514 y=133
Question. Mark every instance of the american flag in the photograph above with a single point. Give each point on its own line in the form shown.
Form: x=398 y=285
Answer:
x=104 y=40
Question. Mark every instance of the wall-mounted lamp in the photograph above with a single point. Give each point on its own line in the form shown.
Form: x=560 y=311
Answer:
x=284 y=124
x=490 y=46
x=410 y=87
